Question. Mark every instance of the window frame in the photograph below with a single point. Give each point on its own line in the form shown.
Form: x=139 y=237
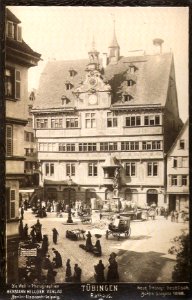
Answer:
x=151 y=120
x=90 y=118
x=112 y=119
x=92 y=169
x=72 y=120
x=70 y=169
x=152 y=168
x=130 y=169
x=132 y=121
x=108 y=146
x=130 y=146
x=9 y=140
x=40 y=121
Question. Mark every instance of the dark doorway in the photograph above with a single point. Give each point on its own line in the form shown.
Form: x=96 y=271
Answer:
x=69 y=195
x=152 y=197
x=172 y=202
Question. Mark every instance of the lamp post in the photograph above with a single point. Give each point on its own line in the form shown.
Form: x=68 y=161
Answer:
x=69 y=220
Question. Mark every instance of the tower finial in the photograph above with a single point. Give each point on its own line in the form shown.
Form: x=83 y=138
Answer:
x=114 y=49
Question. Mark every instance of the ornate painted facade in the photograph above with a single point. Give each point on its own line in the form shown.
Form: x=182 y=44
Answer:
x=94 y=116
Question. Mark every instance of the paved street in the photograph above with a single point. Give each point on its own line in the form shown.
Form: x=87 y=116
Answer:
x=143 y=257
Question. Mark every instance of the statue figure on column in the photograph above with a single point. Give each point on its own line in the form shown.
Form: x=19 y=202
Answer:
x=116 y=182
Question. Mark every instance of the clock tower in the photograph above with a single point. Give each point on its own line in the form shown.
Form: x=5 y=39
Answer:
x=93 y=57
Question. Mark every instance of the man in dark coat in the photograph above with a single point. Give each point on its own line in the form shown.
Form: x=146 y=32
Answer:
x=22 y=212
x=68 y=274
x=89 y=245
x=55 y=234
x=25 y=232
x=45 y=244
x=51 y=274
x=112 y=275
x=21 y=228
x=38 y=231
x=99 y=272
x=57 y=260
x=77 y=274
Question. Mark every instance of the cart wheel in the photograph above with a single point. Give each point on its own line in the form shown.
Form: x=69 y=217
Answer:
x=107 y=234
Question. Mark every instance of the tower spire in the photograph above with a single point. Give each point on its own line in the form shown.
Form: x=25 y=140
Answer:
x=93 y=55
x=114 y=49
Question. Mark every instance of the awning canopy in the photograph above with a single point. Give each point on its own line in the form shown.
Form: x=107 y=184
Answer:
x=59 y=182
x=111 y=162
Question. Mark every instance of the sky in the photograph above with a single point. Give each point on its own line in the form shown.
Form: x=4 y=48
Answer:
x=63 y=33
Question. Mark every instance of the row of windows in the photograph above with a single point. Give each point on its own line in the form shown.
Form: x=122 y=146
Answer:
x=14 y=31
x=130 y=169
x=90 y=121
x=178 y=180
x=103 y=146
x=180 y=162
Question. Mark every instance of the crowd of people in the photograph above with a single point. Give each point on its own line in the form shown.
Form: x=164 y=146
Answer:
x=43 y=267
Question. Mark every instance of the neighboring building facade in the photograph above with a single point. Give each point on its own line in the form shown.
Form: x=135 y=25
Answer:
x=19 y=57
x=178 y=171
x=95 y=117
x=31 y=165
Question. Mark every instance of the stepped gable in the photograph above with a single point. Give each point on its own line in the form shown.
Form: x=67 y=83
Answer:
x=151 y=79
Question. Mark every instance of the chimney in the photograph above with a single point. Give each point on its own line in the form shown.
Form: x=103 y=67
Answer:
x=158 y=43
x=104 y=60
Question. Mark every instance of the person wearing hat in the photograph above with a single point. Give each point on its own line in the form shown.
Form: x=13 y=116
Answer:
x=97 y=248
x=99 y=272
x=112 y=274
x=57 y=260
x=68 y=274
x=55 y=234
x=89 y=245
x=77 y=273
x=37 y=227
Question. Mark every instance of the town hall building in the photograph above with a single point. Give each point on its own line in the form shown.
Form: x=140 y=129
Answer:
x=105 y=114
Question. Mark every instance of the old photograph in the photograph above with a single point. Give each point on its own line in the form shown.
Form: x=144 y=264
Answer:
x=97 y=144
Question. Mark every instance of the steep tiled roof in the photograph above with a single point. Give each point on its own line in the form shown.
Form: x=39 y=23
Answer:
x=151 y=80
x=11 y=17
x=21 y=46
x=18 y=45
x=185 y=125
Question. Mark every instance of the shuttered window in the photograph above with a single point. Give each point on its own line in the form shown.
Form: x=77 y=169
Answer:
x=17 y=84
x=9 y=140
x=12 y=204
x=19 y=33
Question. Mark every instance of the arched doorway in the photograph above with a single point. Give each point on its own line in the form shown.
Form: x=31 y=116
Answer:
x=51 y=194
x=131 y=195
x=69 y=196
x=152 y=197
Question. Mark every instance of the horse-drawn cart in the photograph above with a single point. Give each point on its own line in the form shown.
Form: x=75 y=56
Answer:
x=119 y=227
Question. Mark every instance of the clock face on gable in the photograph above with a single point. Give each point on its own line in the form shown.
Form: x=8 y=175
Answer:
x=93 y=99
x=92 y=81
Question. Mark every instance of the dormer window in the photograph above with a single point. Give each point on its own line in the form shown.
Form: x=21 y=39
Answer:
x=72 y=72
x=63 y=100
x=127 y=98
x=132 y=69
x=130 y=82
x=68 y=86
x=14 y=31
